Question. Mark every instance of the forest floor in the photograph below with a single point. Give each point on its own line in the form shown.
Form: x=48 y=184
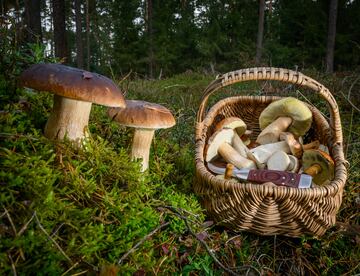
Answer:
x=68 y=211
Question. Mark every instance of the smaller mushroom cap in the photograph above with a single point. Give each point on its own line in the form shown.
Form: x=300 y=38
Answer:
x=279 y=161
x=72 y=83
x=318 y=157
x=216 y=140
x=141 y=114
x=288 y=107
x=234 y=123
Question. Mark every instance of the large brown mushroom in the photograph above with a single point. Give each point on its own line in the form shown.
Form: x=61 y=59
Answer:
x=74 y=91
x=145 y=118
x=287 y=114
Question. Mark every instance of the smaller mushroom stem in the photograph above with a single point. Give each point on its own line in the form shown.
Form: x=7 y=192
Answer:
x=312 y=145
x=232 y=156
x=271 y=133
x=141 y=146
x=69 y=118
x=313 y=170
x=229 y=171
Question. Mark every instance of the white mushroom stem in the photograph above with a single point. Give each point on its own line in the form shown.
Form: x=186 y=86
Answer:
x=232 y=156
x=271 y=133
x=295 y=147
x=239 y=145
x=141 y=146
x=262 y=153
x=69 y=118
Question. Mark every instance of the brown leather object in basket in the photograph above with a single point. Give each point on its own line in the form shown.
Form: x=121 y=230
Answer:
x=264 y=209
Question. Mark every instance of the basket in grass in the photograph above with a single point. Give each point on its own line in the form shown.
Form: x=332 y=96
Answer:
x=265 y=209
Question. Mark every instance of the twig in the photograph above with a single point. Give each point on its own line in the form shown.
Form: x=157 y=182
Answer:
x=56 y=230
x=22 y=230
x=142 y=241
x=72 y=267
x=247 y=267
x=50 y=238
x=174 y=85
x=124 y=78
x=208 y=249
x=80 y=273
x=15 y=135
x=3 y=214
x=12 y=265
x=11 y=222
x=350 y=102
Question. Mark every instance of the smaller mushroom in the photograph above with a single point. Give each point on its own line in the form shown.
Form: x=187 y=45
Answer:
x=220 y=144
x=145 y=117
x=319 y=165
x=263 y=152
x=282 y=115
x=239 y=128
x=278 y=161
x=246 y=137
x=312 y=145
x=228 y=173
x=294 y=145
x=294 y=164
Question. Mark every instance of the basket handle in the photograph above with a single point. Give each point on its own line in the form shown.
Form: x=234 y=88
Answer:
x=279 y=74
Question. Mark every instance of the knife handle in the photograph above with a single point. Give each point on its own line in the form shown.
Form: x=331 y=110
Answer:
x=279 y=178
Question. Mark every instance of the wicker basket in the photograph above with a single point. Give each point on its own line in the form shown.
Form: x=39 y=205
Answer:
x=264 y=209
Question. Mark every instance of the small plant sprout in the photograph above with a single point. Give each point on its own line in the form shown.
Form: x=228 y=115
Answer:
x=145 y=118
x=74 y=91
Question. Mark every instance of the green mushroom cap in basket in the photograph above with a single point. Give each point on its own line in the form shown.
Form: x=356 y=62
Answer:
x=288 y=107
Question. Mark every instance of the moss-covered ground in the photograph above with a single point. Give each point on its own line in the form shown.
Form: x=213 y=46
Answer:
x=68 y=211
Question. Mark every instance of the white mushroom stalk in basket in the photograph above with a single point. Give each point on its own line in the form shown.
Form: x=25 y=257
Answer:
x=287 y=114
x=220 y=144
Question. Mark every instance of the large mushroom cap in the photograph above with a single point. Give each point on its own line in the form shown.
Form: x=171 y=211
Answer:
x=73 y=83
x=288 y=107
x=322 y=159
x=141 y=114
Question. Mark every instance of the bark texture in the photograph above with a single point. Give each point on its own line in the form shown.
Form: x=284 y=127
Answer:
x=330 y=47
x=79 y=44
x=33 y=21
x=260 y=34
x=60 y=30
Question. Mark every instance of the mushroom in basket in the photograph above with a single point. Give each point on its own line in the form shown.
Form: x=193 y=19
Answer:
x=319 y=165
x=288 y=114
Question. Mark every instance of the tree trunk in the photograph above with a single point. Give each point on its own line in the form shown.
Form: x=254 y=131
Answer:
x=79 y=44
x=150 y=37
x=87 y=36
x=260 y=34
x=60 y=30
x=33 y=21
x=331 y=37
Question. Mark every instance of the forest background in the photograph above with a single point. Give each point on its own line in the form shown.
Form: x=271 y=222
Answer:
x=160 y=38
